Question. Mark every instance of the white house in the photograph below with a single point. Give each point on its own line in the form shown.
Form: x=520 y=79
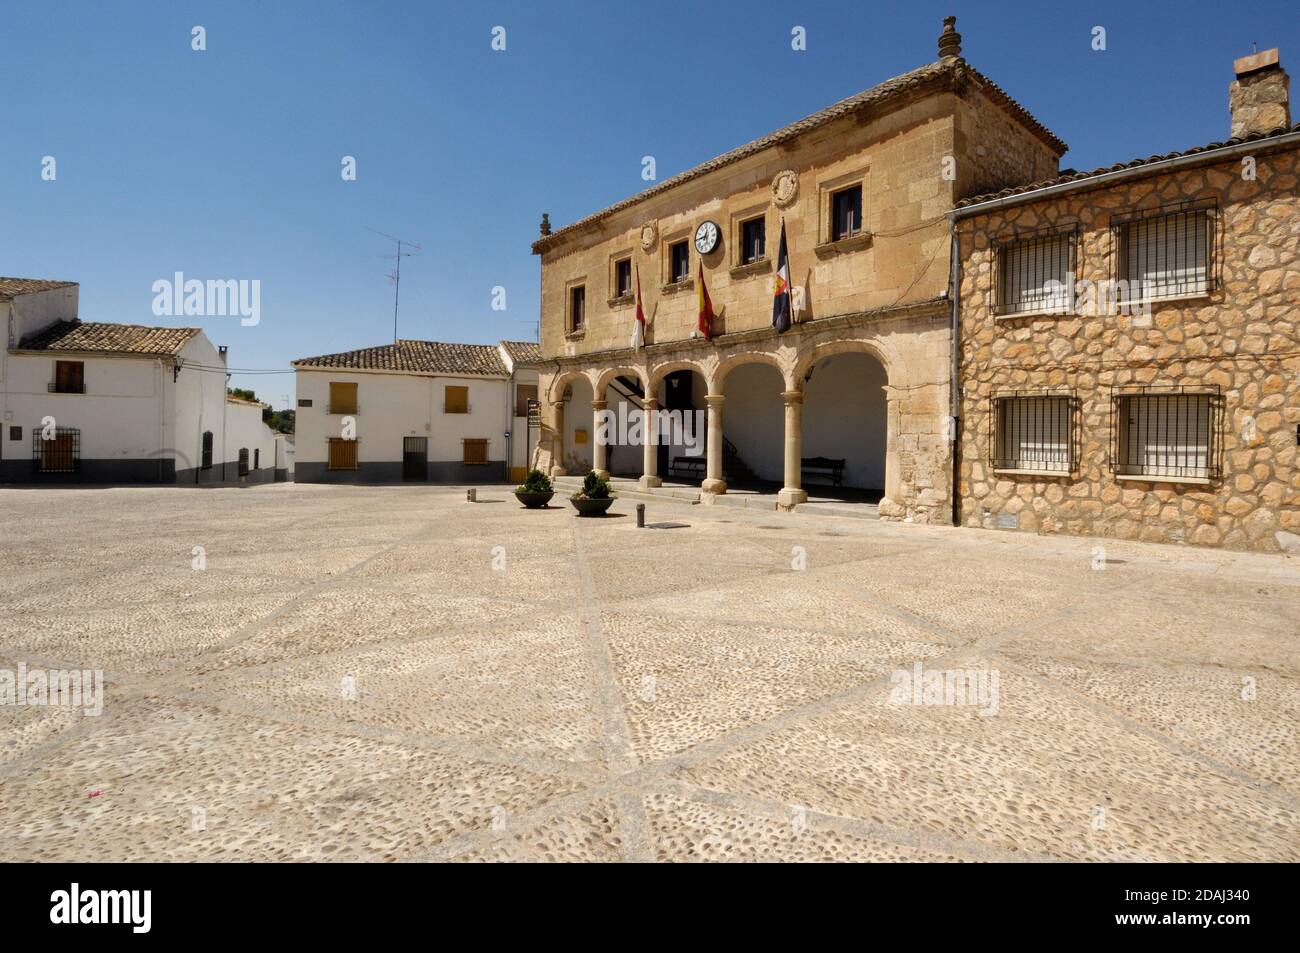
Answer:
x=415 y=411
x=95 y=402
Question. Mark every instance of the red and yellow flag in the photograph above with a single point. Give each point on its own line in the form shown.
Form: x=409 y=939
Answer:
x=706 y=307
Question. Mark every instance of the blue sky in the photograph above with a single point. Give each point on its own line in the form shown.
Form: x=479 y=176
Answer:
x=226 y=163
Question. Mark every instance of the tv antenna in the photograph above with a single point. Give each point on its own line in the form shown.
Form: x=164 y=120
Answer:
x=396 y=275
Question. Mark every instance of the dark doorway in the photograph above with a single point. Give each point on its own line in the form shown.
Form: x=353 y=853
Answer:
x=415 y=457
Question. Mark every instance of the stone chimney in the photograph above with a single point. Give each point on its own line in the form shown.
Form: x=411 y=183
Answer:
x=545 y=228
x=949 y=39
x=1258 y=98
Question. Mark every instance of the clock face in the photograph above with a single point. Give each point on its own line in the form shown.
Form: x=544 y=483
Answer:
x=706 y=237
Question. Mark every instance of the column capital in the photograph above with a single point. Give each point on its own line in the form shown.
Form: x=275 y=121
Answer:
x=650 y=403
x=714 y=400
x=599 y=404
x=792 y=396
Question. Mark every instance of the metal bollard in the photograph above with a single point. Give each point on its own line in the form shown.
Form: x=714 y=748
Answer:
x=640 y=516
x=471 y=496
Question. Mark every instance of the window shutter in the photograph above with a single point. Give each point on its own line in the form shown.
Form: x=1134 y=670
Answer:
x=343 y=398
x=456 y=400
x=1169 y=255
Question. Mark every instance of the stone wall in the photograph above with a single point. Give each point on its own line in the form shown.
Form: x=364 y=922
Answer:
x=1243 y=337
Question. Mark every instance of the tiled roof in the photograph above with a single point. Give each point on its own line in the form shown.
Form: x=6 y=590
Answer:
x=12 y=287
x=415 y=357
x=96 y=336
x=943 y=73
x=1082 y=177
x=523 y=352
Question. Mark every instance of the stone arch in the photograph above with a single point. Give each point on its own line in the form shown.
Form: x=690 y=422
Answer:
x=827 y=348
x=561 y=381
x=660 y=371
x=730 y=363
x=603 y=380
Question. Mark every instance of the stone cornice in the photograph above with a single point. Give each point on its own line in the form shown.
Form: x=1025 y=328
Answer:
x=625 y=355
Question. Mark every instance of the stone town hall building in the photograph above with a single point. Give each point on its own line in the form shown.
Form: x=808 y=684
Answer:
x=930 y=233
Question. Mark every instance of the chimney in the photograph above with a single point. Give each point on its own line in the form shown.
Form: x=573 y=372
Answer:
x=1258 y=97
x=546 y=225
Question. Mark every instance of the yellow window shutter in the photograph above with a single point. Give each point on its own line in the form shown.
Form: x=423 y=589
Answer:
x=343 y=398
x=456 y=400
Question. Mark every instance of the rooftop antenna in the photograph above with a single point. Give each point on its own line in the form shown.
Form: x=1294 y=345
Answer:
x=396 y=276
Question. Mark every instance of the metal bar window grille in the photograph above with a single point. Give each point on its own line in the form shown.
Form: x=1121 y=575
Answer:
x=1035 y=274
x=1033 y=431
x=1168 y=253
x=59 y=454
x=1169 y=433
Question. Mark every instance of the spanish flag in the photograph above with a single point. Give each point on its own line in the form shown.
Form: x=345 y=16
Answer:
x=706 y=307
x=781 y=309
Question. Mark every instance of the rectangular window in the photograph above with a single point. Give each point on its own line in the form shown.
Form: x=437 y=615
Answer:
x=623 y=278
x=342 y=454
x=455 y=399
x=343 y=398
x=679 y=261
x=846 y=213
x=475 y=451
x=15 y=433
x=243 y=461
x=304 y=402
x=523 y=394
x=59 y=454
x=753 y=240
x=577 y=308
x=1173 y=436
x=69 y=377
x=1034 y=275
x=1033 y=433
x=1167 y=256
x=206 y=460
x=257 y=459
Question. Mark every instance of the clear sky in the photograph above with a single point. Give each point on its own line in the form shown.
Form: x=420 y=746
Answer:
x=226 y=163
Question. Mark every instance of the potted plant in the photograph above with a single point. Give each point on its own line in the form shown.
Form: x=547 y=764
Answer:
x=593 y=499
x=535 y=491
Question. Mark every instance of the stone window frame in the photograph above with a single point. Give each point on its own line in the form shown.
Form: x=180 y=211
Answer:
x=1118 y=228
x=572 y=333
x=1071 y=230
x=739 y=218
x=1117 y=457
x=827 y=188
x=999 y=465
x=615 y=300
x=666 y=243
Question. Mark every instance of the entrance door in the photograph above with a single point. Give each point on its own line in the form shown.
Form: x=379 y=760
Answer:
x=415 y=457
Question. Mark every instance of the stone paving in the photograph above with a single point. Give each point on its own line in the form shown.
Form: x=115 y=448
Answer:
x=361 y=674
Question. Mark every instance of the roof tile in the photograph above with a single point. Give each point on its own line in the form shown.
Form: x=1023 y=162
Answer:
x=95 y=336
x=415 y=357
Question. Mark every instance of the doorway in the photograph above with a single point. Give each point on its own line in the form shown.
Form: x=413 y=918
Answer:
x=415 y=456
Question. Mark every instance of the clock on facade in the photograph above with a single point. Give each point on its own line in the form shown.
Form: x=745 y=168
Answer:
x=706 y=237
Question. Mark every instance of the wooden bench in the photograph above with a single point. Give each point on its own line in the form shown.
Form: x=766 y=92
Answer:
x=687 y=466
x=824 y=466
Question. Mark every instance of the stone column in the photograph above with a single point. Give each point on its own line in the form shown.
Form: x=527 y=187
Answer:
x=649 y=478
x=557 y=439
x=792 y=493
x=714 y=483
x=598 y=449
x=893 y=467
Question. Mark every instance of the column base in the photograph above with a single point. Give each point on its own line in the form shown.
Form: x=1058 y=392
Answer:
x=648 y=482
x=714 y=486
x=603 y=474
x=791 y=497
x=557 y=472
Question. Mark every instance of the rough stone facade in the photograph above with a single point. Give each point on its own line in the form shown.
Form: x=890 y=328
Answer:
x=1242 y=337
x=915 y=144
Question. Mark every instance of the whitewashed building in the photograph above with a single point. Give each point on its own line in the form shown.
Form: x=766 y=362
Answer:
x=415 y=411
x=97 y=402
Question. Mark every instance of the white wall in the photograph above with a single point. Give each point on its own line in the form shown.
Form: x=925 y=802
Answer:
x=245 y=429
x=200 y=404
x=753 y=418
x=845 y=415
x=393 y=406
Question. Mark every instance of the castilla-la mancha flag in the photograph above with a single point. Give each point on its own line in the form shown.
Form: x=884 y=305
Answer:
x=638 y=323
x=781 y=310
x=706 y=307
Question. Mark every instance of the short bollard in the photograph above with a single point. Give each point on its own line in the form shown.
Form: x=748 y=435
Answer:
x=471 y=496
x=640 y=516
